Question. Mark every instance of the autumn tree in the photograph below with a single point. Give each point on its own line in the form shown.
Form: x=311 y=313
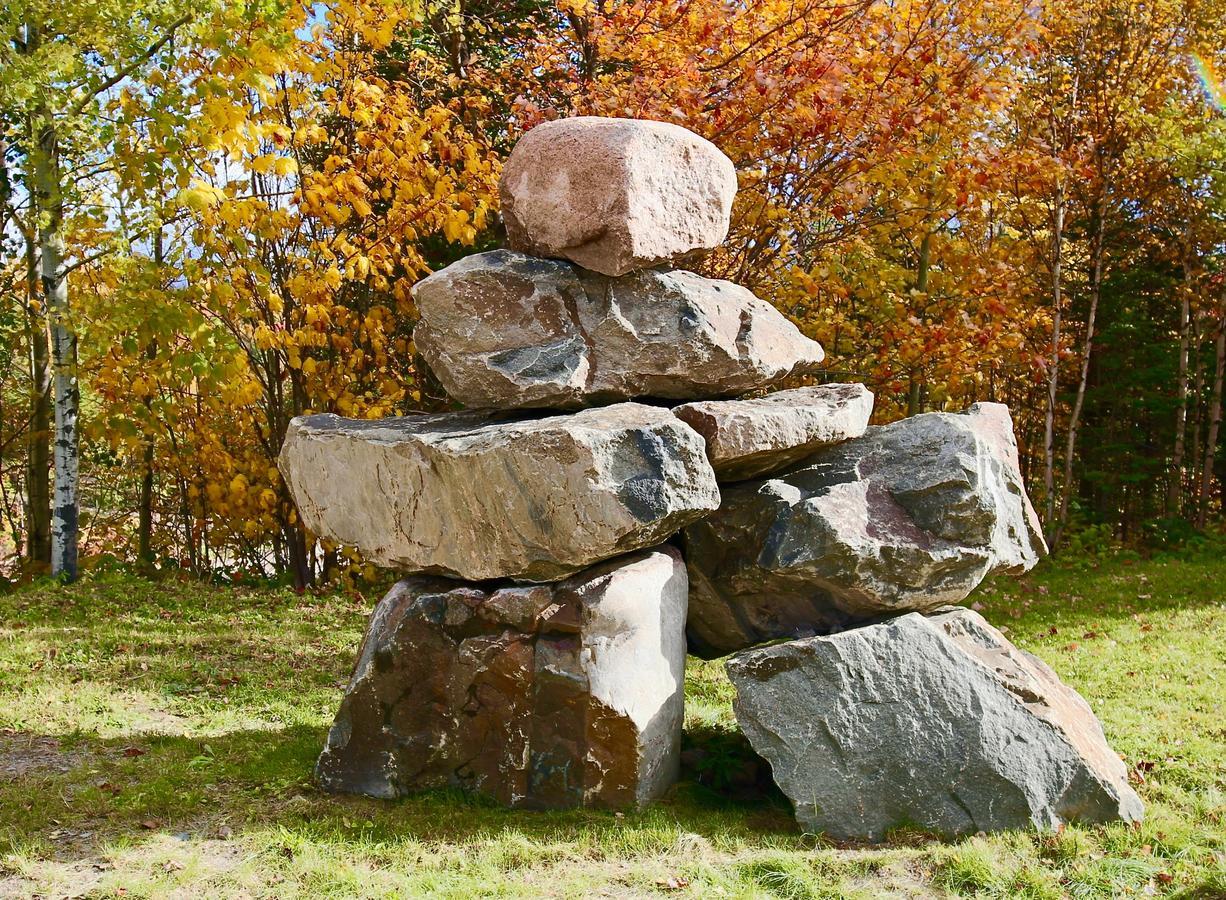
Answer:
x=59 y=64
x=326 y=173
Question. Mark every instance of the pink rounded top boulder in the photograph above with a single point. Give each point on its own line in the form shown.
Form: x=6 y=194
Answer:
x=616 y=195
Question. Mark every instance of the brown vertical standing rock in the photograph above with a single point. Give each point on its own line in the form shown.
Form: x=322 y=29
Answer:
x=536 y=695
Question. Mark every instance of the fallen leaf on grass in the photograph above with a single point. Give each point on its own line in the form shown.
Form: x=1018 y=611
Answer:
x=673 y=883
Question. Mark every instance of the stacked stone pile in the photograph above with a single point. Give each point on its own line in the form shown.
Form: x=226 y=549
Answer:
x=609 y=498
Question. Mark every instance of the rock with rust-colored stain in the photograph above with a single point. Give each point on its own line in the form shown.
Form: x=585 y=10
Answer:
x=937 y=722
x=557 y=695
x=754 y=437
x=488 y=496
x=615 y=195
x=502 y=329
x=909 y=516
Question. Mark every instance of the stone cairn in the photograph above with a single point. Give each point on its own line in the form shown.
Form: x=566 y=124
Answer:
x=560 y=562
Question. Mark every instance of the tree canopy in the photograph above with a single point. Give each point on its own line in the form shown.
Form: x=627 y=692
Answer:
x=213 y=216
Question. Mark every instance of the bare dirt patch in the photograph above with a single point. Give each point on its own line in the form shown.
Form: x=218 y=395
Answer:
x=23 y=755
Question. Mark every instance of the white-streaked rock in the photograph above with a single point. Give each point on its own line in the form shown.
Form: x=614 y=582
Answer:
x=555 y=695
x=909 y=516
x=615 y=195
x=474 y=496
x=932 y=721
x=502 y=329
x=754 y=437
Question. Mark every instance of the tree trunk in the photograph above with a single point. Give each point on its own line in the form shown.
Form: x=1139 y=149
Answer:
x=299 y=562
x=38 y=439
x=1215 y=422
x=1196 y=418
x=1175 y=488
x=1087 y=349
x=917 y=393
x=144 y=528
x=1053 y=373
x=1066 y=486
x=65 y=508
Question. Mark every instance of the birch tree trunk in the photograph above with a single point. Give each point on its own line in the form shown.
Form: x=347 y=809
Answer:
x=65 y=507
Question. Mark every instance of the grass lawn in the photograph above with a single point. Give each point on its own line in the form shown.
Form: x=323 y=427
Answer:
x=157 y=739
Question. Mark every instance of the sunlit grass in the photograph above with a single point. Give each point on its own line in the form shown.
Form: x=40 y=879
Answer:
x=157 y=739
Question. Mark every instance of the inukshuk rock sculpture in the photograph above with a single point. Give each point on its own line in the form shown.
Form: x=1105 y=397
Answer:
x=535 y=652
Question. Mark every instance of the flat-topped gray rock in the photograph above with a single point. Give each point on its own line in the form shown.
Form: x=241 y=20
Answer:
x=932 y=721
x=502 y=329
x=615 y=195
x=910 y=516
x=751 y=438
x=557 y=695
x=477 y=496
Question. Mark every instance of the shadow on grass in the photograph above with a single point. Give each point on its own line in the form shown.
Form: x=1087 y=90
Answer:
x=251 y=680
x=132 y=788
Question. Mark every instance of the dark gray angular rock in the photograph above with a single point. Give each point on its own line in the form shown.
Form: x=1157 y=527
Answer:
x=557 y=695
x=505 y=330
x=477 y=496
x=932 y=721
x=754 y=437
x=910 y=516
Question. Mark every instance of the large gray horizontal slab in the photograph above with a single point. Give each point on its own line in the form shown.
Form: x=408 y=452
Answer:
x=909 y=516
x=615 y=195
x=754 y=437
x=502 y=329
x=546 y=695
x=932 y=721
x=475 y=497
